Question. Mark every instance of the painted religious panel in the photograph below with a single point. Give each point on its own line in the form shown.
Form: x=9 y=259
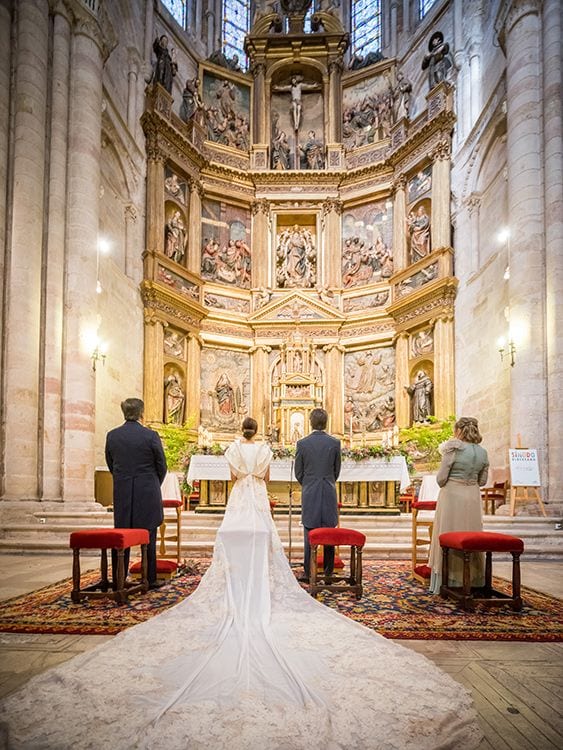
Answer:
x=418 y=279
x=226 y=110
x=296 y=124
x=225 y=255
x=220 y=302
x=174 y=343
x=296 y=258
x=175 y=187
x=367 y=237
x=422 y=343
x=366 y=302
x=369 y=395
x=420 y=185
x=367 y=110
x=176 y=282
x=225 y=389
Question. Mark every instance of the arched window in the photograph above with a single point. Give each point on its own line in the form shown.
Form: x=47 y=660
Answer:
x=365 y=26
x=179 y=11
x=236 y=24
x=424 y=6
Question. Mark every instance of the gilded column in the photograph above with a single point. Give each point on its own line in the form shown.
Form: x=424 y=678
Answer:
x=261 y=392
x=155 y=195
x=259 y=112
x=193 y=396
x=527 y=281
x=335 y=95
x=402 y=401
x=332 y=275
x=153 y=368
x=23 y=275
x=400 y=258
x=440 y=223
x=553 y=181
x=194 y=236
x=334 y=387
x=260 y=242
x=444 y=385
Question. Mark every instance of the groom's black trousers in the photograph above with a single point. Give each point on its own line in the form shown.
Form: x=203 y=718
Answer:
x=328 y=556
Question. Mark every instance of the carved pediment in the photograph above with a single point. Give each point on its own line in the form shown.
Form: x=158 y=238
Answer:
x=296 y=307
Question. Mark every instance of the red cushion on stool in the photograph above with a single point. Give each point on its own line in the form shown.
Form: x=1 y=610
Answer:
x=162 y=566
x=481 y=541
x=108 y=538
x=171 y=503
x=424 y=504
x=423 y=571
x=334 y=537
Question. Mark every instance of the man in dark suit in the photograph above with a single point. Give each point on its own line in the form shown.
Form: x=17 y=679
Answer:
x=317 y=466
x=136 y=460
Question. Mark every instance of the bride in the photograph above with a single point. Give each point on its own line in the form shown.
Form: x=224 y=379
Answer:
x=248 y=661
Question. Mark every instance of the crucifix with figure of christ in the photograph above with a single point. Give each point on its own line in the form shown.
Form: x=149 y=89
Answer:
x=296 y=89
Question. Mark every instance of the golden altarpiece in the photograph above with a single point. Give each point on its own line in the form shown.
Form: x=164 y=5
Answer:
x=298 y=243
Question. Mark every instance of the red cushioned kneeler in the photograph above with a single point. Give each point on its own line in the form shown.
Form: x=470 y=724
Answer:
x=488 y=542
x=419 y=565
x=337 y=537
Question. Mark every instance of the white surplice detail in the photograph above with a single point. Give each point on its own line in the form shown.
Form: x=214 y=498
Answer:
x=250 y=660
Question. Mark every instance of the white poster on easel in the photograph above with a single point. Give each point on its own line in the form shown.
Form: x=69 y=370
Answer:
x=524 y=467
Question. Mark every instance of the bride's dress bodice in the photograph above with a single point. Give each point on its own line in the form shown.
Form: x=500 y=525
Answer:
x=248 y=661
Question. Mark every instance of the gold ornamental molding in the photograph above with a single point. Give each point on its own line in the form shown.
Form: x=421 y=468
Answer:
x=296 y=308
x=435 y=300
x=171 y=306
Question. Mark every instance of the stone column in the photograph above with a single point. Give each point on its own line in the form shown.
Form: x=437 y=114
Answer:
x=260 y=242
x=82 y=222
x=335 y=98
x=155 y=195
x=210 y=16
x=153 y=367
x=23 y=273
x=394 y=11
x=402 y=401
x=444 y=382
x=198 y=18
x=440 y=222
x=131 y=246
x=475 y=81
x=527 y=281
x=5 y=63
x=52 y=343
x=193 y=395
x=194 y=235
x=332 y=243
x=259 y=112
x=400 y=257
x=406 y=16
x=261 y=393
x=334 y=387
x=553 y=182
x=473 y=206
x=132 y=94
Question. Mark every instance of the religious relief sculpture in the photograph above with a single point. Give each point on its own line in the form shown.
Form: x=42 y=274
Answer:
x=417 y=280
x=368 y=111
x=280 y=148
x=174 y=344
x=422 y=343
x=296 y=87
x=421 y=397
x=175 y=188
x=175 y=237
x=166 y=66
x=174 y=400
x=362 y=264
x=226 y=112
x=296 y=258
x=229 y=264
x=369 y=382
x=312 y=152
x=419 y=233
x=192 y=104
x=225 y=388
x=261 y=297
x=438 y=60
x=231 y=63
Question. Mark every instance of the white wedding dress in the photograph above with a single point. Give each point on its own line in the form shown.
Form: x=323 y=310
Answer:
x=249 y=661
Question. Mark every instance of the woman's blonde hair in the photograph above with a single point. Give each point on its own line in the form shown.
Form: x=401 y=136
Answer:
x=249 y=428
x=468 y=430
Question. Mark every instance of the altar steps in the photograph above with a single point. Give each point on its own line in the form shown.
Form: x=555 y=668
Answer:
x=387 y=537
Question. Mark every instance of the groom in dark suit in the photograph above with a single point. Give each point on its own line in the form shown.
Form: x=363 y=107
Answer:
x=136 y=460
x=317 y=466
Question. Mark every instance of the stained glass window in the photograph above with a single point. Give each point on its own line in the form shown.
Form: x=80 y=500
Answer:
x=236 y=20
x=424 y=6
x=178 y=9
x=366 y=26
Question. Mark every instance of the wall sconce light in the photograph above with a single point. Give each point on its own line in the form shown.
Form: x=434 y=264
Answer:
x=98 y=355
x=507 y=349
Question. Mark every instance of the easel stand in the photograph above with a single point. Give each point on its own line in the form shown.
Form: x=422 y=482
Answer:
x=527 y=494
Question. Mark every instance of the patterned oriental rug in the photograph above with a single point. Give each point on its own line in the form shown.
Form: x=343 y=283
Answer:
x=393 y=605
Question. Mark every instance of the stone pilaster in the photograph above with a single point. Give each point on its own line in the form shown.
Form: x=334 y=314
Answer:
x=259 y=113
x=260 y=242
x=332 y=275
x=194 y=235
x=50 y=476
x=335 y=98
x=402 y=402
x=553 y=181
x=400 y=258
x=155 y=195
x=444 y=382
x=526 y=220
x=394 y=29
x=261 y=393
x=153 y=366
x=25 y=239
x=334 y=387
x=440 y=222
x=5 y=63
x=193 y=385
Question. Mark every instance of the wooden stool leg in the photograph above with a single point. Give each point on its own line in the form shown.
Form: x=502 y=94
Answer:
x=359 y=585
x=488 y=573
x=313 y=570
x=162 y=532
x=353 y=572
x=467 y=598
x=120 y=594
x=104 y=583
x=75 y=593
x=445 y=573
x=516 y=592
x=179 y=534
x=144 y=567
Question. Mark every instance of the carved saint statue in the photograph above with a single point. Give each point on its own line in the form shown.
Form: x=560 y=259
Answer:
x=191 y=100
x=166 y=66
x=174 y=399
x=175 y=237
x=419 y=231
x=421 y=397
x=296 y=89
x=296 y=258
x=402 y=97
x=313 y=152
x=225 y=395
x=438 y=60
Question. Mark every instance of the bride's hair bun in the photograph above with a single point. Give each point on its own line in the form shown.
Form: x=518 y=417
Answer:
x=249 y=428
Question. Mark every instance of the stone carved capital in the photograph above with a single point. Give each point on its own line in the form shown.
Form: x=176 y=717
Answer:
x=262 y=206
x=442 y=150
x=473 y=203
x=93 y=23
x=331 y=205
x=264 y=348
x=195 y=186
x=335 y=67
x=334 y=347
x=131 y=213
x=517 y=9
x=258 y=69
x=399 y=182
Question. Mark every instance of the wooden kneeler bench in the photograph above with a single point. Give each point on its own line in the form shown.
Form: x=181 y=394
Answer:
x=336 y=537
x=104 y=539
x=487 y=542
